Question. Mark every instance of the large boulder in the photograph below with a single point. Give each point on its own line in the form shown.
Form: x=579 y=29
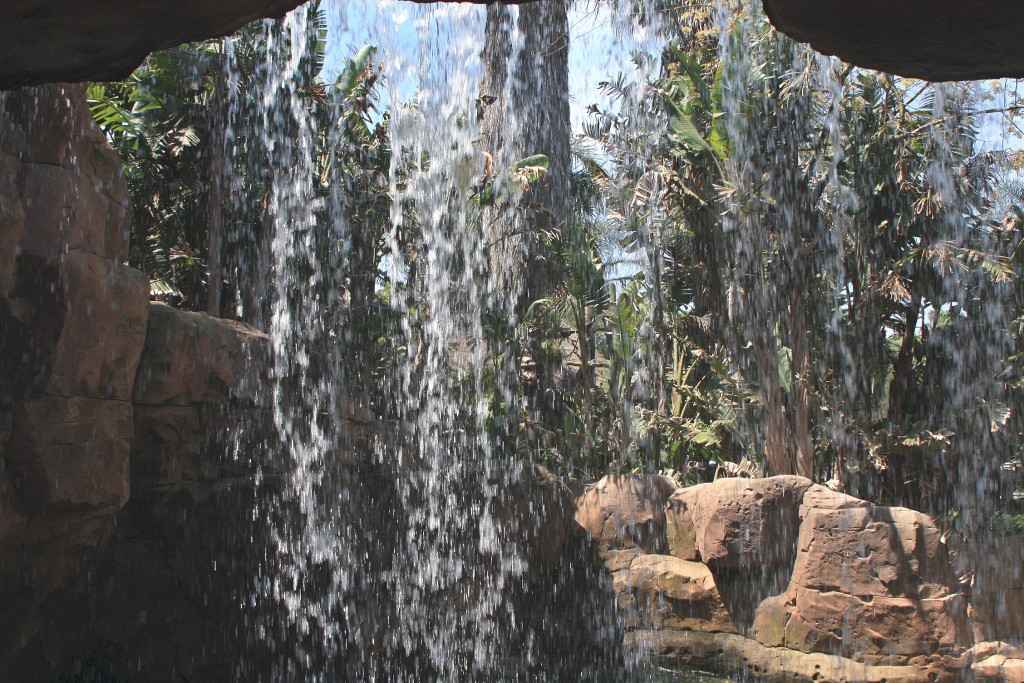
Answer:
x=192 y=358
x=871 y=583
x=738 y=522
x=661 y=591
x=623 y=511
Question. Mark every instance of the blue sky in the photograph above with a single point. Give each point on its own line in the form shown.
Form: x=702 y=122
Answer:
x=417 y=38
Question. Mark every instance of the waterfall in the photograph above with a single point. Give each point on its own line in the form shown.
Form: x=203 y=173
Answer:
x=409 y=398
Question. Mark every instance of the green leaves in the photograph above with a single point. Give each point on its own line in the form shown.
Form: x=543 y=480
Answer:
x=525 y=172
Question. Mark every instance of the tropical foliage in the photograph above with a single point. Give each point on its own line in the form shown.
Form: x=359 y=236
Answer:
x=774 y=262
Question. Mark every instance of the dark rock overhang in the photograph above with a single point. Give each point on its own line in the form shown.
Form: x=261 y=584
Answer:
x=938 y=40
x=93 y=40
x=73 y=40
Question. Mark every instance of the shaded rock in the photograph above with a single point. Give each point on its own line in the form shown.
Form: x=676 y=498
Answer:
x=72 y=187
x=56 y=40
x=12 y=213
x=72 y=324
x=167 y=447
x=68 y=454
x=997 y=595
x=673 y=594
x=12 y=528
x=101 y=329
x=536 y=509
x=733 y=654
x=626 y=511
x=193 y=358
x=938 y=40
x=82 y=313
x=680 y=533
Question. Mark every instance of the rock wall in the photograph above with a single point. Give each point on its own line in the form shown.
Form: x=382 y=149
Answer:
x=74 y=322
x=112 y=411
x=781 y=578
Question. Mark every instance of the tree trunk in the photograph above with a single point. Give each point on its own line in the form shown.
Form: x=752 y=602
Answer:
x=215 y=275
x=524 y=105
x=778 y=439
x=801 y=371
x=902 y=386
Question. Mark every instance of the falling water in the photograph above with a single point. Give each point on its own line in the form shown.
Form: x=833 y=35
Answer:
x=393 y=555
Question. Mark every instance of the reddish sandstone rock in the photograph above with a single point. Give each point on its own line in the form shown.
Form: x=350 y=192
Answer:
x=103 y=328
x=70 y=454
x=874 y=584
x=193 y=358
x=874 y=631
x=999 y=668
x=626 y=511
x=871 y=551
x=671 y=593
x=741 y=522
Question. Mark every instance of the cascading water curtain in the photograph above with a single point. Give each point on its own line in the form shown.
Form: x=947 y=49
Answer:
x=389 y=557
x=453 y=558
x=293 y=283
x=867 y=268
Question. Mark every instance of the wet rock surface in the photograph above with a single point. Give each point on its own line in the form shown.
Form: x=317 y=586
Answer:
x=74 y=323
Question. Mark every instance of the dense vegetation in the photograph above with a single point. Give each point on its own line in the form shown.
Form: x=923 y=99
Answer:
x=806 y=268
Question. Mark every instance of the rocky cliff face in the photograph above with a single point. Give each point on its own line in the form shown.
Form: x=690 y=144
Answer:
x=74 y=322
x=104 y=397
x=790 y=580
